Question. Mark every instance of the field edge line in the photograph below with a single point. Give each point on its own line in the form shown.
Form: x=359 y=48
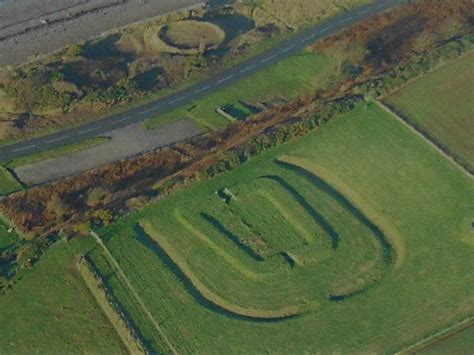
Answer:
x=121 y=326
x=427 y=138
x=440 y=335
x=133 y=291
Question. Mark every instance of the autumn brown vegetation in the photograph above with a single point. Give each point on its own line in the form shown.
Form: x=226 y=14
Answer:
x=397 y=46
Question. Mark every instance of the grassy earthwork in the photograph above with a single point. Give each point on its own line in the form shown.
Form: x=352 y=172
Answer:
x=193 y=34
x=305 y=248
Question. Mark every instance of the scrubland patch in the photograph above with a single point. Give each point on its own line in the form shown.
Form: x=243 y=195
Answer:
x=300 y=13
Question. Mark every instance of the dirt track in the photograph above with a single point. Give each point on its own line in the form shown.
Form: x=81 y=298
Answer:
x=35 y=27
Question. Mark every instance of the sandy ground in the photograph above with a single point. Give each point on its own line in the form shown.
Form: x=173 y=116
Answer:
x=35 y=27
x=125 y=142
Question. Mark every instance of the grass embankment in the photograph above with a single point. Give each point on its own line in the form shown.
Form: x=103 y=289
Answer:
x=206 y=293
x=193 y=34
x=202 y=245
x=441 y=104
x=286 y=79
x=50 y=309
x=410 y=191
x=8 y=183
x=391 y=236
x=95 y=285
x=116 y=269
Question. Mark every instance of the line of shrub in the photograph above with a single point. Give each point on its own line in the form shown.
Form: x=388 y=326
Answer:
x=418 y=64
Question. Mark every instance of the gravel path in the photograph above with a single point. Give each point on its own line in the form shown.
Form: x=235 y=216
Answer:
x=35 y=27
x=125 y=142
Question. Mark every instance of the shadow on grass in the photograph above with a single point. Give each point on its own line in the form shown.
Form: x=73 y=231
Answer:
x=146 y=240
x=319 y=183
x=317 y=217
x=223 y=230
x=116 y=304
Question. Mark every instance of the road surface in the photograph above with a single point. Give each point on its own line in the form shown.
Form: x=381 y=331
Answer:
x=217 y=82
x=38 y=27
x=125 y=142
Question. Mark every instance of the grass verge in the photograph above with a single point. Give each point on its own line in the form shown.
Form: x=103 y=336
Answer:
x=8 y=183
x=286 y=79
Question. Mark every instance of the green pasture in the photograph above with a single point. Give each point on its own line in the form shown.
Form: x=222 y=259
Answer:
x=460 y=343
x=286 y=79
x=50 y=310
x=8 y=183
x=7 y=238
x=441 y=103
x=248 y=262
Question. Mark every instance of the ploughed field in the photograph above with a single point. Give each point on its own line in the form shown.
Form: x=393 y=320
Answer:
x=441 y=104
x=337 y=242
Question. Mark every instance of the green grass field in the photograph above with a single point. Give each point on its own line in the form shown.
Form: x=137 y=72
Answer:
x=8 y=183
x=6 y=239
x=50 y=310
x=288 y=78
x=337 y=242
x=441 y=103
x=461 y=343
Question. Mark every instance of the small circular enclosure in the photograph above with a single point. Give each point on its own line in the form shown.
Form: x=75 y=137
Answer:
x=192 y=34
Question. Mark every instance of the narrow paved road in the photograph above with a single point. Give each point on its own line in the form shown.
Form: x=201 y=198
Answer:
x=214 y=83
